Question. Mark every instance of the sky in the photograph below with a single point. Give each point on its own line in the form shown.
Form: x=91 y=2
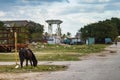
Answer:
x=74 y=13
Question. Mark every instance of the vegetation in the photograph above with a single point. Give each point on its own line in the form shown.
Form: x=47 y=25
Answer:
x=39 y=68
x=1 y=24
x=53 y=53
x=49 y=48
x=7 y=57
x=58 y=52
x=102 y=29
x=68 y=34
x=35 y=31
x=59 y=57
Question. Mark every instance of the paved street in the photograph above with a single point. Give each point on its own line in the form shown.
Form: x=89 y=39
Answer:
x=94 y=68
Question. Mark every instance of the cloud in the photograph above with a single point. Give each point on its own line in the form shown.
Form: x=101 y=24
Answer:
x=81 y=8
x=41 y=2
x=114 y=6
x=93 y=1
x=74 y=13
x=2 y=14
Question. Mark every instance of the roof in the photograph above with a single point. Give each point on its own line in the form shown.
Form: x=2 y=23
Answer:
x=17 y=23
x=54 y=21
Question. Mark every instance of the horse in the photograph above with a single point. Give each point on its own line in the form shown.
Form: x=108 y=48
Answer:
x=28 y=55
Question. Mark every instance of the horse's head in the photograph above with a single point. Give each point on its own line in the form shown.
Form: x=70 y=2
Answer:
x=35 y=63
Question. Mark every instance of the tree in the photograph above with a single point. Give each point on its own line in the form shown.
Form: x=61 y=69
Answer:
x=45 y=36
x=1 y=24
x=63 y=36
x=68 y=34
x=100 y=30
x=116 y=22
x=35 y=31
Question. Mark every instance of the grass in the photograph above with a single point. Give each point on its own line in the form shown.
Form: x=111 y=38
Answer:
x=53 y=53
x=58 y=57
x=7 y=57
x=59 y=52
x=70 y=48
x=39 y=68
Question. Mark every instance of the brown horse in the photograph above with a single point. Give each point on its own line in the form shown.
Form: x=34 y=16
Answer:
x=28 y=55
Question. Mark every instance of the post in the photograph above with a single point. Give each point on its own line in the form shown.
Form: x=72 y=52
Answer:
x=16 y=54
x=50 y=29
x=58 y=30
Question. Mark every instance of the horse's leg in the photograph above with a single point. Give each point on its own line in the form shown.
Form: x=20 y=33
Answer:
x=26 y=62
x=31 y=62
x=21 y=62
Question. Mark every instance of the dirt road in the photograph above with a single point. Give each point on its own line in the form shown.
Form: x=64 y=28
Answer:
x=103 y=66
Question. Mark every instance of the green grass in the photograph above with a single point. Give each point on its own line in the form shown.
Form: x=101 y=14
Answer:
x=70 y=48
x=46 y=57
x=7 y=57
x=39 y=68
x=59 y=57
x=59 y=52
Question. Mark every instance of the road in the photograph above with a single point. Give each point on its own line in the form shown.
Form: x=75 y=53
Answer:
x=94 y=68
x=103 y=66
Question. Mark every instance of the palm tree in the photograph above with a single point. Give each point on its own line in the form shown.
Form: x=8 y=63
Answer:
x=68 y=34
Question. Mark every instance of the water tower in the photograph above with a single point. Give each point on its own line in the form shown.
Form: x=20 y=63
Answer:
x=50 y=23
x=50 y=28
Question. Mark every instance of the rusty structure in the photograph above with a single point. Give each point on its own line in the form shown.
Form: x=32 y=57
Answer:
x=7 y=36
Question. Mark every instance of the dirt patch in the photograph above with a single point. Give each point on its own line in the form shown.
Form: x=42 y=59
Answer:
x=22 y=76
